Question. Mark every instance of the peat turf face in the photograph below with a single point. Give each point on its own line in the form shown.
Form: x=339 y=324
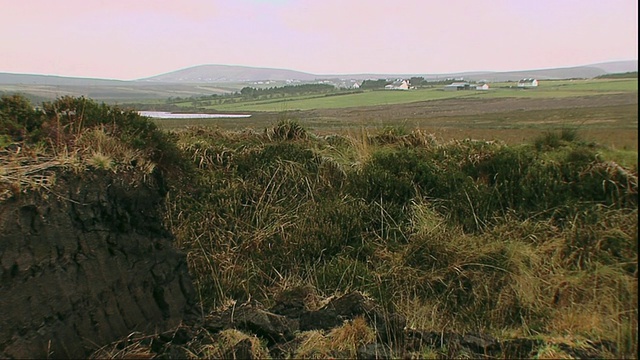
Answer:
x=85 y=263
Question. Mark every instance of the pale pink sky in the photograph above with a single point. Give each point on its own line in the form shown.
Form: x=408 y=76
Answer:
x=130 y=39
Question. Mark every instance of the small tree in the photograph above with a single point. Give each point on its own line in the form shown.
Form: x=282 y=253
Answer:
x=18 y=117
x=374 y=84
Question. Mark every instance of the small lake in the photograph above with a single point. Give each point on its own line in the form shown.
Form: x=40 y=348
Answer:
x=170 y=115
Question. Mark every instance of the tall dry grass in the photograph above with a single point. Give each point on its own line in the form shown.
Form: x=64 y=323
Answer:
x=537 y=240
x=466 y=235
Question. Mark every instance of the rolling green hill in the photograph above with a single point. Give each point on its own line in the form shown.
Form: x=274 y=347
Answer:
x=220 y=79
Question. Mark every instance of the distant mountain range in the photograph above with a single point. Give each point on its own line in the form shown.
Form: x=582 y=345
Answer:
x=218 y=79
x=230 y=73
x=227 y=73
x=32 y=79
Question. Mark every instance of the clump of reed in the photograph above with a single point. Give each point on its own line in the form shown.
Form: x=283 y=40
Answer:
x=470 y=234
x=76 y=134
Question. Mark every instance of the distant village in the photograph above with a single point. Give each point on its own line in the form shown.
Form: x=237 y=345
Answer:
x=268 y=89
x=450 y=84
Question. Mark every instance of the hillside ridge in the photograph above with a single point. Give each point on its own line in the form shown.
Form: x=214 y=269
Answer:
x=217 y=73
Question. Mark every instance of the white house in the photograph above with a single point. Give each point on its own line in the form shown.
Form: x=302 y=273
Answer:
x=398 y=85
x=345 y=84
x=482 y=87
x=457 y=86
x=528 y=83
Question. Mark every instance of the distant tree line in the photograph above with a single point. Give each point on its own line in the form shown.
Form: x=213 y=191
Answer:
x=626 y=75
x=374 y=84
x=251 y=93
x=417 y=81
x=287 y=90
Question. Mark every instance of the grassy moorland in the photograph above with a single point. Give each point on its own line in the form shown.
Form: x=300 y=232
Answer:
x=607 y=119
x=547 y=89
x=603 y=110
x=535 y=240
x=465 y=235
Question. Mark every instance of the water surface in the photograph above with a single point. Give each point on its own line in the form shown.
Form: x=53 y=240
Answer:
x=170 y=115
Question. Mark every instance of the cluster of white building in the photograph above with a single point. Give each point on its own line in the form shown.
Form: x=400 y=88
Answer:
x=466 y=86
x=402 y=84
x=524 y=84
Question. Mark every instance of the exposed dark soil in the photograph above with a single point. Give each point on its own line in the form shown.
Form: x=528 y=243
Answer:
x=85 y=262
x=279 y=326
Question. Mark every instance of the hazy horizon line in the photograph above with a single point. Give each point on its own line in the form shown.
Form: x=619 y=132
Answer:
x=316 y=74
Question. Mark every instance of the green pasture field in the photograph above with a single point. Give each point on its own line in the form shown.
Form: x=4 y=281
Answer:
x=546 y=89
x=568 y=88
x=598 y=85
x=603 y=110
x=369 y=98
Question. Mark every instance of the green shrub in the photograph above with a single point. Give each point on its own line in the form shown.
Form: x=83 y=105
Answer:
x=548 y=140
x=569 y=135
x=555 y=139
x=555 y=184
x=504 y=172
x=328 y=227
x=19 y=120
x=390 y=176
x=391 y=135
x=250 y=160
x=286 y=130
x=603 y=236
